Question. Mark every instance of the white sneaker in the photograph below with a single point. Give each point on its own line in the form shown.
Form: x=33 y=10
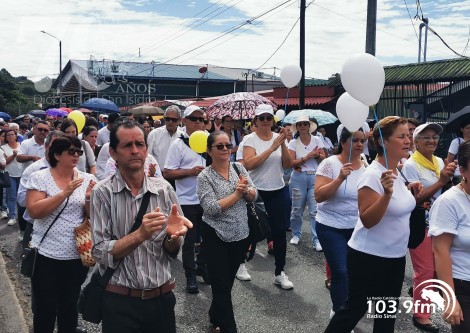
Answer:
x=283 y=281
x=11 y=221
x=317 y=246
x=242 y=273
x=20 y=236
x=3 y=214
x=294 y=240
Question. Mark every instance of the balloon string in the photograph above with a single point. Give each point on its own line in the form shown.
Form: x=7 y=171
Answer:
x=349 y=159
x=381 y=137
x=285 y=111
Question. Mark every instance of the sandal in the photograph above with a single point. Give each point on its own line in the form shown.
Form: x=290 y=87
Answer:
x=215 y=329
x=328 y=283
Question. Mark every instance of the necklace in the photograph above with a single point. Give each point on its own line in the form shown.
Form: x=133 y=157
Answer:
x=466 y=194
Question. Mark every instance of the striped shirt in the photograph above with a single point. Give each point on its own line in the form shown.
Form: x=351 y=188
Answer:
x=113 y=212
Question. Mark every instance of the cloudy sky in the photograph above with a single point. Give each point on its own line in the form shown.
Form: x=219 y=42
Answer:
x=197 y=32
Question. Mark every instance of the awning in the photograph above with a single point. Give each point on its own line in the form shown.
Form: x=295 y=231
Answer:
x=311 y=101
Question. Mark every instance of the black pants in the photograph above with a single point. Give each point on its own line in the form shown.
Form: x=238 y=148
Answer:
x=194 y=214
x=27 y=234
x=369 y=276
x=127 y=314
x=21 y=221
x=462 y=291
x=223 y=260
x=56 y=286
x=275 y=207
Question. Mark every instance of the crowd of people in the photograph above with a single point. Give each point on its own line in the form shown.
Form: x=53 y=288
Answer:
x=358 y=207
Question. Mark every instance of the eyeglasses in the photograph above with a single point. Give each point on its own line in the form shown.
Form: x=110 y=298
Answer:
x=194 y=119
x=73 y=151
x=303 y=123
x=429 y=138
x=356 y=140
x=221 y=146
x=45 y=130
x=267 y=118
x=168 y=119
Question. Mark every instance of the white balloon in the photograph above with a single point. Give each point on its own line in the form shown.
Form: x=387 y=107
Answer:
x=291 y=75
x=363 y=77
x=351 y=112
x=280 y=114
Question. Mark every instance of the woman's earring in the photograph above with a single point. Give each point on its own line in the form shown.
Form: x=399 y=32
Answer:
x=464 y=180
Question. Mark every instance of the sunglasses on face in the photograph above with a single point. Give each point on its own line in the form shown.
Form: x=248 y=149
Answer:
x=267 y=118
x=45 y=130
x=221 y=146
x=73 y=151
x=303 y=123
x=168 y=119
x=194 y=119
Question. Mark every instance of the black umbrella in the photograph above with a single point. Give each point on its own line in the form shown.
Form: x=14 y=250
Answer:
x=454 y=123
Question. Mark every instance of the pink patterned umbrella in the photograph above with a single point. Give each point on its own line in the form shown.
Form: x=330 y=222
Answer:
x=239 y=105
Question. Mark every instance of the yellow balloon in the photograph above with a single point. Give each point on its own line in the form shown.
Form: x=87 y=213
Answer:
x=78 y=118
x=198 y=141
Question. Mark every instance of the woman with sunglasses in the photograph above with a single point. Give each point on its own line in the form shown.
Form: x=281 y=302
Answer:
x=431 y=171
x=307 y=152
x=58 y=199
x=223 y=195
x=87 y=161
x=337 y=208
x=379 y=243
x=14 y=169
x=265 y=154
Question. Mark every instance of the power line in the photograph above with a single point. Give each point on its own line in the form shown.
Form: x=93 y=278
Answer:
x=226 y=32
x=272 y=55
x=412 y=23
x=447 y=45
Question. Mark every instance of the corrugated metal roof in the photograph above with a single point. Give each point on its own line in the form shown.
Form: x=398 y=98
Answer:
x=171 y=71
x=431 y=71
x=315 y=82
x=146 y=70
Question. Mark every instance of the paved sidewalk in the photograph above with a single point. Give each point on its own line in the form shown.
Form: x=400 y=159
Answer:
x=11 y=314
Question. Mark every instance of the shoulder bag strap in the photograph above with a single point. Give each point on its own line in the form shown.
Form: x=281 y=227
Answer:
x=87 y=166
x=236 y=169
x=50 y=226
x=138 y=221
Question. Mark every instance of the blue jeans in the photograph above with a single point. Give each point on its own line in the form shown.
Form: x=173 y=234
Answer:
x=301 y=187
x=12 y=191
x=335 y=247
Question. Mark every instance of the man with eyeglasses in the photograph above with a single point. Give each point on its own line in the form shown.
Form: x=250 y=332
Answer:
x=32 y=149
x=160 y=139
x=183 y=165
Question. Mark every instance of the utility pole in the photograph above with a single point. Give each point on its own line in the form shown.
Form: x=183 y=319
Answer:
x=371 y=26
x=303 y=7
x=60 y=65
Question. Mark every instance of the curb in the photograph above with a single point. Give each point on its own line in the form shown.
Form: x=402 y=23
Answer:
x=11 y=314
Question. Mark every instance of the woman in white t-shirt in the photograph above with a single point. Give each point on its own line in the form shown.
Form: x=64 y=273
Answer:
x=449 y=226
x=60 y=193
x=454 y=147
x=336 y=195
x=307 y=152
x=378 y=245
x=430 y=170
x=14 y=169
x=265 y=154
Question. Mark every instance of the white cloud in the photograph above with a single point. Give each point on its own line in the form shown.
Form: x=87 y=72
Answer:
x=112 y=29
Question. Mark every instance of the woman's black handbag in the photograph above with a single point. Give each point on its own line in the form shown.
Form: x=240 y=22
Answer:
x=29 y=255
x=417 y=223
x=28 y=261
x=258 y=219
x=5 y=179
x=91 y=295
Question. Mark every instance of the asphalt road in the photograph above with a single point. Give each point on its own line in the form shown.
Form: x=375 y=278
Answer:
x=259 y=305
